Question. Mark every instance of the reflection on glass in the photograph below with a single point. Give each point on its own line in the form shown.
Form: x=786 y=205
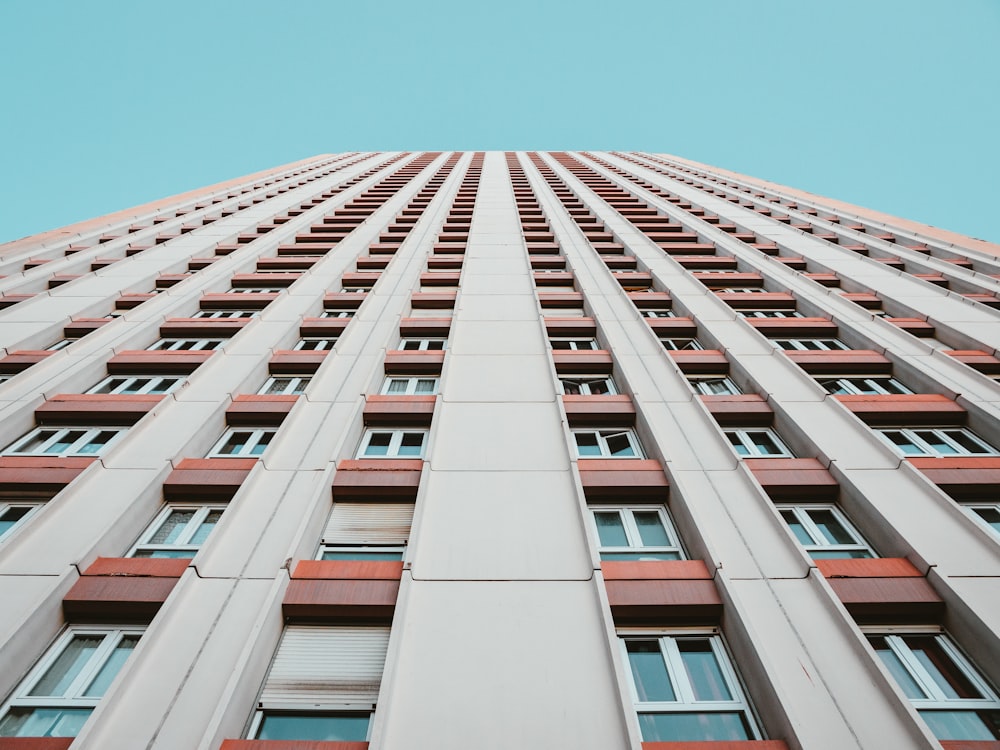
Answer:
x=649 y=671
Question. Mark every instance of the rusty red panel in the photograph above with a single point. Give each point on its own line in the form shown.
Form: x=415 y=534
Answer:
x=647 y=570
x=343 y=300
x=405 y=411
x=978 y=360
x=964 y=478
x=237 y=300
x=793 y=478
x=841 y=361
x=413 y=363
x=39 y=743
x=886 y=598
x=152 y=567
x=558 y=300
x=743 y=410
x=651 y=300
x=905 y=408
x=700 y=362
x=616 y=411
x=878 y=567
x=129 y=301
x=82 y=326
x=864 y=299
x=728 y=745
x=264 y=279
x=372 y=570
x=646 y=601
x=289 y=745
x=605 y=478
x=95 y=409
x=340 y=599
x=554 y=278
x=960 y=744
x=330 y=327
x=433 y=300
x=582 y=362
x=556 y=326
x=39 y=475
x=157 y=362
x=296 y=362
x=440 y=278
x=794 y=327
x=259 y=409
x=915 y=326
x=435 y=327
x=207 y=478
x=22 y=360
x=374 y=478
x=202 y=328
x=728 y=279
x=108 y=597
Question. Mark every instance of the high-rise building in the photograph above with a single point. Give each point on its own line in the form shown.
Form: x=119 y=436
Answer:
x=601 y=451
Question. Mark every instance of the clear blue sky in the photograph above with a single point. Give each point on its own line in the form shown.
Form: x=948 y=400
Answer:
x=892 y=104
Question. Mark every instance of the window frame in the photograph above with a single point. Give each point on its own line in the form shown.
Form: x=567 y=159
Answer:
x=411 y=385
x=573 y=344
x=697 y=382
x=848 y=384
x=651 y=313
x=225 y=314
x=821 y=345
x=326 y=341
x=198 y=345
x=974 y=508
x=602 y=442
x=690 y=344
x=395 y=442
x=769 y=314
x=743 y=434
x=819 y=542
x=632 y=533
x=296 y=385
x=202 y=511
x=89 y=433
x=33 y=506
x=583 y=381
x=147 y=385
x=423 y=344
x=256 y=435
x=926 y=450
x=337 y=313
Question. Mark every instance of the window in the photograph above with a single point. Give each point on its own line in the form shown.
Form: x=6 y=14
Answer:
x=146 y=384
x=861 y=386
x=824 y=532
x=714 y=386
x=322 y=684
x=422 y=345
x=738 y=289
x=356 y=289
x=65 y=441
x=769 y=314
x=226 y=314
x=395 y=386
x=337 y=314
x=936 y=441
x=15 y=513
x=685 y=689
x=944 y=688
x=393 y=444
x=256 y=290
x=314 y=344
x=988 y=513
x=290 y=385
x=367 y=531
x=174 y=345
x=639 y=533
x=242 y=442
x=759 y=443
x=61 y=344
x=574 y=344
x=657 y=313
x=584 y=385
x=681 y=344
x=810 y=344
x=58 y=695
x=179 y=531
x=607 y=444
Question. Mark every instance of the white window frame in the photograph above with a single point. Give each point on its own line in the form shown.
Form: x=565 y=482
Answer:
x=975 y=510
x=395 y=442
x=820 y=544
x=361 y=549
x=863 y=385
x=634 y=538
x=422 y=344
x=295 y=385
x=31 y=507
x=73 y=697
x=201 y=512
x=574 y=344
x=582 y=382
x=602 y=442
x=323 y=344
x=658 y=313
x=189 y=345
x=683 y=690
x=700 y=385
x=257 y=434
x=925 y=449
x=681 y=344
x=139 y=384
x=226 y=314
x=411 y=385
x=743 y=435
x=335 y=313
x=769 y=314
x=811 y=345
x=935 y=699
x=257 y=289
x=738 y=289
x=76 y=448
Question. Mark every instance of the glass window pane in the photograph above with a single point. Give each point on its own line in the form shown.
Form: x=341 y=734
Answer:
x=610 y=529
x=832 y=553
x=362 y=553
x=412 y=444
x=165 y=553
x=164 y=385
x=694 y=727
x=940 y=666
x=735 y=441
x=112 y=666
x=205 y=527
x=963 y=725
x=11 y=516
x=836 y=387
x=797 y=528
x=587 y=444
x=261 y=444
x=964 y=440
x=904 y=443
x=651 y=529
x=397 y=386
x=111 y=385
x=43 y=722
x=64 y=442
x=425 y=385
x=902 y=676
x=642 y=555
x=378 y=444
x=67 y=666
x=315 y=727
x=831 y=528
x=619 y=445
x=765 y=444
x=649 y=671
x=32 y=445
x=703 y=670
x=934 y=441
x=990 y=515
x=172 y=527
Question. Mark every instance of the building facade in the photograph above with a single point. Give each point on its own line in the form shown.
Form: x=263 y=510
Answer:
x=499 y=450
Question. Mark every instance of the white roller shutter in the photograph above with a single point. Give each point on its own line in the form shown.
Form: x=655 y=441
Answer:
x=369 y=523
x=327 y=665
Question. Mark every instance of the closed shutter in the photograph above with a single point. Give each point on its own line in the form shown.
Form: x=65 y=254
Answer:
x=327 y=665
x=369 y=523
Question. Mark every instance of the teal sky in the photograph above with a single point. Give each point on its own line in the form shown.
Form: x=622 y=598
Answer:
x=892 y=104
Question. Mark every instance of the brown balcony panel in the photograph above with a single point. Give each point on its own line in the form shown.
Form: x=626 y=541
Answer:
x=377 y=479
x=651 y=592
x=157 y=362
x=433 y=300
x=95 y=409
x=913 y=326
x=882 y=589
x=264 y=279
x=730 y=745
x=440 y=278
x=743 y=410
x=124 y=589
x=866 y=300
x=236 y=301
x=984 y=362
x=296 y=362
x=37 y=743
x=259 y=410
x=19 y=361
x=295 y=745
x=700 y=361
x=403 y=411
x=560 y=300
x=963 y=477
x=343 y=590
x=586 y=362
x=793 y=478
x=207 y=478
x=651 y=300
x=615 y=478
x=824 y=279
x=728 y=279
x=794 y=328
x=559 y=278
x=432 y=327
x=909 y=408
x=202 y=328
x=39 y=476
x=414 y=362
x=840 y=362
x=572 y=326
x=343 y=300
x=612 y=411
x=80 y=327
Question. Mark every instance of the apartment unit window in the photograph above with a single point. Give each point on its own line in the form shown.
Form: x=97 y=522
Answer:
x=179 y=531
x=988 y=513
x=738 y=289
x=936 y=441
x=862 y=386
x=241 y=442
x=256 y=290
x=635 y=533
x=314 y=344
x=58 y=695
x=393 y=444
x=584 y=385
x=810 y=344
x=714 y=386
x=681 y=344
x=607 y=444
x=757 y=443
x=144 y=384
x=174 y=345
x=575 y=344
x=65 y=441
x=824 y=532
x=60 y=344
x=685 y=689
x=14 y=513
x=769 y=314
x=945 y=689
x=337 y=313
x=658 y=313
x=285 y=385
x=422 y=345
x=226 y=314
x=322 y=685
x=367 y=531
x=394 y=386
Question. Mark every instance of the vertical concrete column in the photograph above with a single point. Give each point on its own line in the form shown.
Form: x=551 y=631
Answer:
x=502 y=643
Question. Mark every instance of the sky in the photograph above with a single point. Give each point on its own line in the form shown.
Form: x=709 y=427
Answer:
x=890 y=104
